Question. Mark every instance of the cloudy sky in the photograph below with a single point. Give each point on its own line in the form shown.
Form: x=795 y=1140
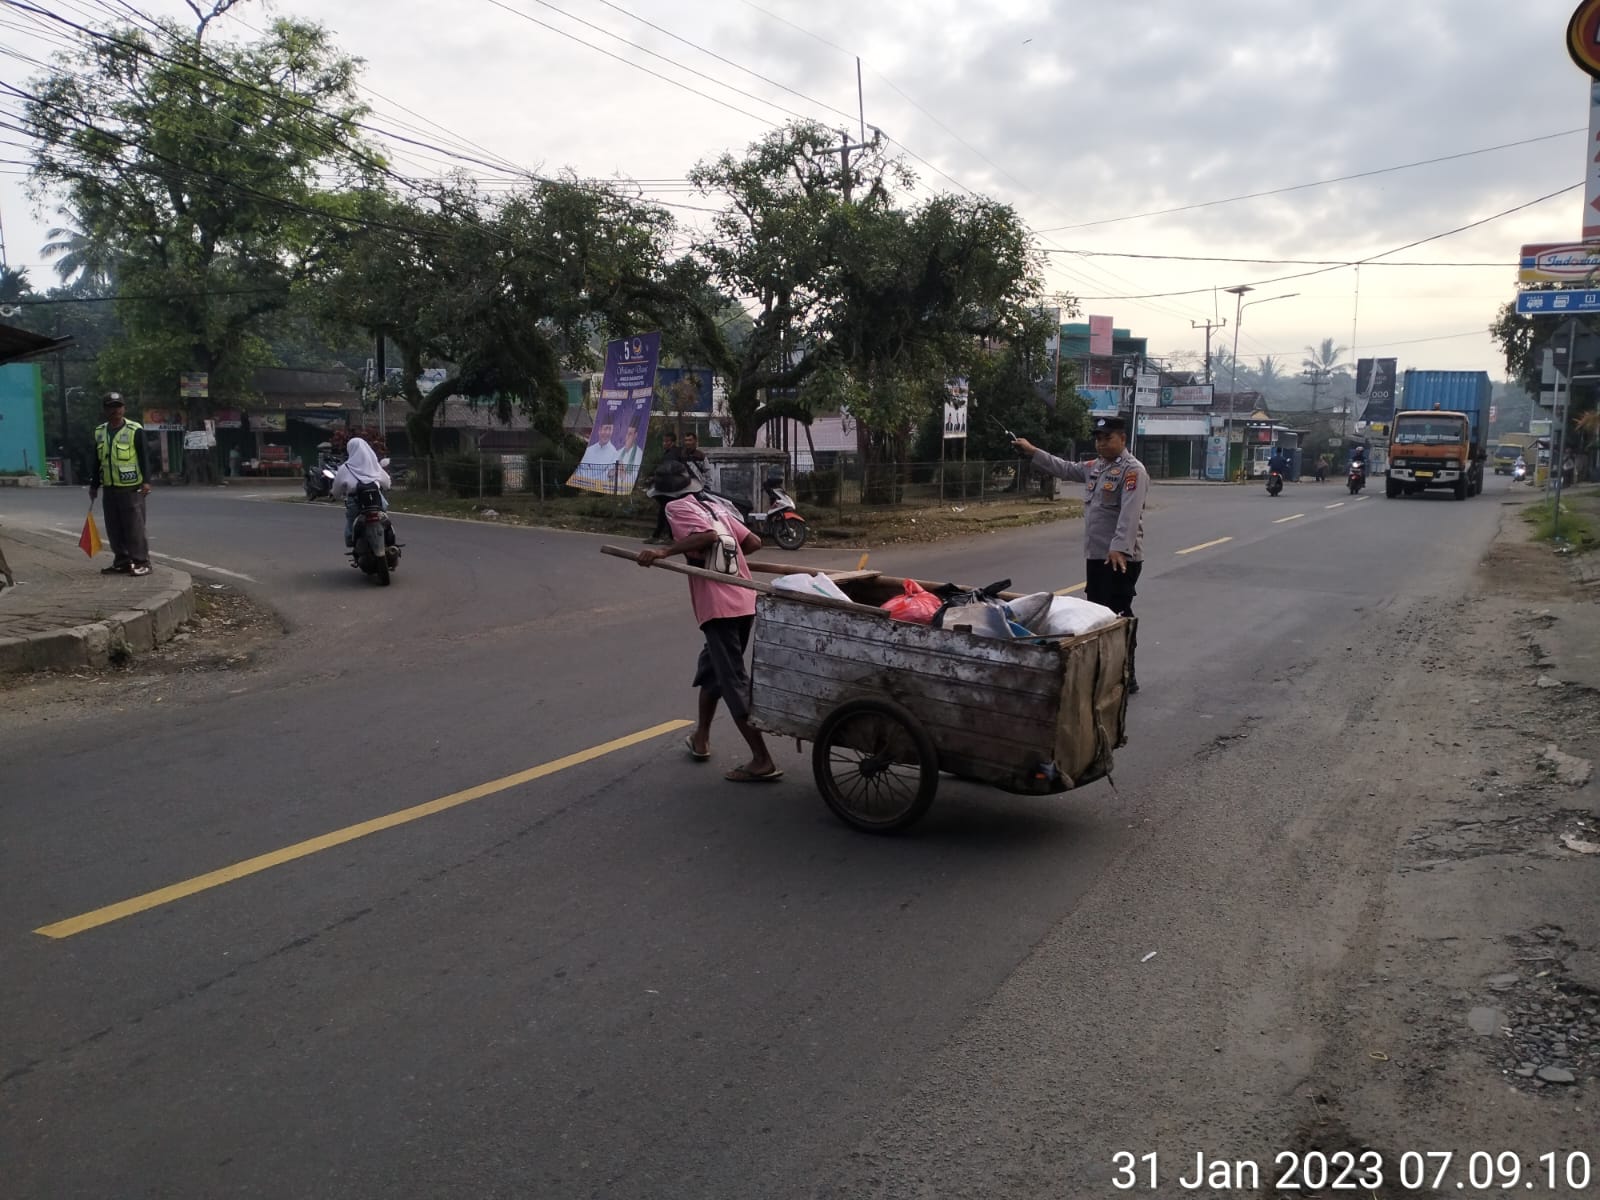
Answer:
x=1087 y=115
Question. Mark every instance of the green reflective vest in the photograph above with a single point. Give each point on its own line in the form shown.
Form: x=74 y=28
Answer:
x=118 y=456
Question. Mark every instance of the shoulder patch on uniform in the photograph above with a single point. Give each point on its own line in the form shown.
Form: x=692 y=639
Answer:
x=1131 y=481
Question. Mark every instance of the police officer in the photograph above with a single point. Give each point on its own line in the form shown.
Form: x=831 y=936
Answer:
x=120 y=467
x=1115 y=485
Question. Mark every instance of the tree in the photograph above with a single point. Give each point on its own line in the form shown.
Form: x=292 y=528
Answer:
x=208 y=160
x=1325 y=359
x=1269 y=377
x=85 y=262
x=780 y=245
x=14 y=284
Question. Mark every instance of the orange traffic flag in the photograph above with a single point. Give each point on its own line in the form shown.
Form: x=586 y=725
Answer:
x=89 y=540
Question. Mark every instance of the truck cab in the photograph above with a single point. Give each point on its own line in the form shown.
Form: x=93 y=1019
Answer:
x=1432 y=449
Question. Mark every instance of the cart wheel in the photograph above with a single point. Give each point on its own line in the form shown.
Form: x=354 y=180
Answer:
x=875 y=765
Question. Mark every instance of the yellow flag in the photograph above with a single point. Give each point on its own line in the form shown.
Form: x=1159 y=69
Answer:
x=89 y=539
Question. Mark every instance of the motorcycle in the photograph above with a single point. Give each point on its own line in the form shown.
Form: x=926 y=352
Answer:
x=781 y=522
x=374 y=550
x=1357 y=478
x=1519 y=472
x=319 y=478
x=1274 y=482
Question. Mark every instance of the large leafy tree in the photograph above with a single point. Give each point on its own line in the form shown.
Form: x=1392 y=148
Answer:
x=509 y=293
x=224 y=169
x=780 y=246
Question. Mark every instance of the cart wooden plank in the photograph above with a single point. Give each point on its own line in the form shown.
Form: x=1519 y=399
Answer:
x=1022 y=715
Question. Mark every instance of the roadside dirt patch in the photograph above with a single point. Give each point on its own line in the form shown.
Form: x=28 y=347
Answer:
x=229 y=632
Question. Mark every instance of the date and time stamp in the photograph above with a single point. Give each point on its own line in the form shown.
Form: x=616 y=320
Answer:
x=1361 y=1173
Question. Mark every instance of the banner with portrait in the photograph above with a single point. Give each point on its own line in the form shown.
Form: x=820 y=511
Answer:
x=610 y=465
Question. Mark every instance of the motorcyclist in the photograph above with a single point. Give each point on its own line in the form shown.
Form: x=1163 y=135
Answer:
x=1278 y=464
x=360 y=466
x=1519 y=469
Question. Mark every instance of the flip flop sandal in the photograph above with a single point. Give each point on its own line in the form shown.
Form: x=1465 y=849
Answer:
x=745 y=775
x=697 y=755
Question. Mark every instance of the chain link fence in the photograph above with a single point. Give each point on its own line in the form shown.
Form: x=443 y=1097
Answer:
x=848 y=482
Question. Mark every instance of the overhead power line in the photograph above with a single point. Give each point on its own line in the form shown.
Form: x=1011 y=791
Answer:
x=1298 y=187
x=1362 y=261
x=1293 y=262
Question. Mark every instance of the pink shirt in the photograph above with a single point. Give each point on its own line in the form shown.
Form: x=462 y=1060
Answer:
x=711 y=600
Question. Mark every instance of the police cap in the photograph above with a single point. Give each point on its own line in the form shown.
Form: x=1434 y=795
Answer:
x=1110 y=425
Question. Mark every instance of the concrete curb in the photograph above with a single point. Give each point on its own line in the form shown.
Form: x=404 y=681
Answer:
x=139 y=628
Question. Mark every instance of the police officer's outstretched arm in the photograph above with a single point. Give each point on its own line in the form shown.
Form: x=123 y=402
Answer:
x=1125 y=542
x=1049 y=463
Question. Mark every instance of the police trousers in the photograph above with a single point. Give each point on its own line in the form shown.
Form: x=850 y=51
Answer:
x=1115 y=589
x=124 y=509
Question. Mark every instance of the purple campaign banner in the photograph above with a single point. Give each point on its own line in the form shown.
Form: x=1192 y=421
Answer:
x=622 y=417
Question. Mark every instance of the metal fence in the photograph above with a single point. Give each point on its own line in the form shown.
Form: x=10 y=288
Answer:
x=847 y=482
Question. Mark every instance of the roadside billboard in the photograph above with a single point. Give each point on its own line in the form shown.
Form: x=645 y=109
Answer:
x=1559 y=262
x=611 y=463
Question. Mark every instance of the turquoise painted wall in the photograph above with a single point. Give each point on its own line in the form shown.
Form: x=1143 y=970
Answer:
x=22 y=419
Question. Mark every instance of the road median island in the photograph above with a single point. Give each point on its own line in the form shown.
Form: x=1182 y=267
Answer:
x=633 y=517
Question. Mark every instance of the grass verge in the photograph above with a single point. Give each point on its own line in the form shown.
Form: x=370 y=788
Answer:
x=1580 y=518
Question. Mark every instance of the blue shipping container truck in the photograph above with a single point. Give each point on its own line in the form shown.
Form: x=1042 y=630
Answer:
x=1440 y=453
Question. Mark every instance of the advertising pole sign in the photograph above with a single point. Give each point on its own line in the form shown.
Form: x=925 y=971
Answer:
x=1375 y=386
x=956 y=395
x=1100 y=340
x=622 y=417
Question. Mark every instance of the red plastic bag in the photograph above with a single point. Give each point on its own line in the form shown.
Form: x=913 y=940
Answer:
x=917 y=605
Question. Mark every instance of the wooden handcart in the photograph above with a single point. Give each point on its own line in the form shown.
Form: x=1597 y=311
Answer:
x=888 y=705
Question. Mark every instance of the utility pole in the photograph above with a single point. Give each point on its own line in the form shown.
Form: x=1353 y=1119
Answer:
x=1208 y=327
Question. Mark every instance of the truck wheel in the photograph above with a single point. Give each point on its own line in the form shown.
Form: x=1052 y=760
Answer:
x=1461 y=489
x=1391 y=490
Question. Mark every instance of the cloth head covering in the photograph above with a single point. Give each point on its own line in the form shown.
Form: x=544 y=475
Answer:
x=362 y=461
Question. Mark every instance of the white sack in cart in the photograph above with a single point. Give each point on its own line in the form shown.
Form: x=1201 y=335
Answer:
x=811 y=585
x=1070 y=616
x=1030 y=610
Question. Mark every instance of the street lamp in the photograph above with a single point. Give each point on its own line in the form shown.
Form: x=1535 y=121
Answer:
x=1233 y=387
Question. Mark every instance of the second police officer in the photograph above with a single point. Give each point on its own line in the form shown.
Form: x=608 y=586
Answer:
x=1115 y=486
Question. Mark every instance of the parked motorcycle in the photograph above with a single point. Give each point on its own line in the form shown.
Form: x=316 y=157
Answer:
x=1274 y=482
x=1357 y=479
x=781 y=521
x=375 y=551
x=319 y=478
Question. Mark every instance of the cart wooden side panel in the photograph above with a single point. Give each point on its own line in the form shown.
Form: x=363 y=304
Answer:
x=1002 y=713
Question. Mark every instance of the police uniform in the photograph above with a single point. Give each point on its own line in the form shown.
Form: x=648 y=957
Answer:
x=120 y=468
x=1113 y=519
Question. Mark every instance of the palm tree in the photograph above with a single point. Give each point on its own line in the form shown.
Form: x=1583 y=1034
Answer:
x=1269 y=376
x=1325 y=359
x=13 y=284
x=85 y=262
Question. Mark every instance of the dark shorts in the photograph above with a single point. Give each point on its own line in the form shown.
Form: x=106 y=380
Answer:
x=1114 y=589
x=721 y=666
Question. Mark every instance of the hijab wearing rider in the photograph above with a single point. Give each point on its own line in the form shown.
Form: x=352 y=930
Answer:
x=361 y=465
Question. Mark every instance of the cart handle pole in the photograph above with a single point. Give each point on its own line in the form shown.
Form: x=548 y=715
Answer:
x=690 y=569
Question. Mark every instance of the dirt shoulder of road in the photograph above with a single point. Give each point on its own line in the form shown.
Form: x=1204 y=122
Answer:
x=1373 y=910
x=633 y=517
x=230 y=634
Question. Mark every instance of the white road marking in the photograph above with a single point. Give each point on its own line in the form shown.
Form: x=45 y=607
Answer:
x=188 y=562
x=1281 y=520
x=1338 y=505
x=200 y=566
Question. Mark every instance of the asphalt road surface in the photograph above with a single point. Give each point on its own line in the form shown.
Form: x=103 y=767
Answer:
x=610 y=972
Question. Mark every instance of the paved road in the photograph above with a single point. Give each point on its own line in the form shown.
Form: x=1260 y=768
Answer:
x=620 y=977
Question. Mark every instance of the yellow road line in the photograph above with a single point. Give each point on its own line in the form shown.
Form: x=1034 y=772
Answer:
x=1281 y=520
x=1205 y=545
x=1077 y=587
x=262 y=862
x=1338 y=505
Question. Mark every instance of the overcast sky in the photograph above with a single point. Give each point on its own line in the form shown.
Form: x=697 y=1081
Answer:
x=1082 y=114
